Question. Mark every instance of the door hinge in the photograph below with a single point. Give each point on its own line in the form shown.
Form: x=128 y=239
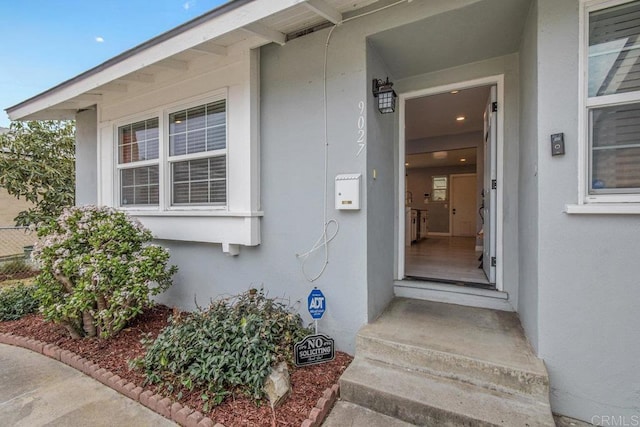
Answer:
x=494 y=107
x=494 y=184
x=493 y=261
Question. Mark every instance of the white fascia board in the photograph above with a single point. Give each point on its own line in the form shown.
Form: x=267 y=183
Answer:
x=209 y=30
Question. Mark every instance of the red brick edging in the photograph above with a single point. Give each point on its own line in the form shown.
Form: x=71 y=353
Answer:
x=324 y=405
x=183 y=415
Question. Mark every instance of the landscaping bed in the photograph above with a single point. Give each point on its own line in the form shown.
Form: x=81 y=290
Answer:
x=113 y=354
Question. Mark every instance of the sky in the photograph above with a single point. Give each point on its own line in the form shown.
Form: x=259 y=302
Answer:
x=45 y=42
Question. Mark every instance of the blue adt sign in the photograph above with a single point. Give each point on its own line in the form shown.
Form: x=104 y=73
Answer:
x=316 y=304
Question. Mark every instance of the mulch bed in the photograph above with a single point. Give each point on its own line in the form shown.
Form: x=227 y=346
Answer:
x=113 y=354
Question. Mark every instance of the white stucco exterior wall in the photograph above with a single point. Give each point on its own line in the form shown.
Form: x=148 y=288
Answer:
x=86 y=158
x=588 y=270
x=528 y=180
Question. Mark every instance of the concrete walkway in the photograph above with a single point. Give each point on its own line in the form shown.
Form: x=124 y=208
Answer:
x=38 y=391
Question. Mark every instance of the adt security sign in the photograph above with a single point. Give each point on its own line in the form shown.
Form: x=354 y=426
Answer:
x=317 y=304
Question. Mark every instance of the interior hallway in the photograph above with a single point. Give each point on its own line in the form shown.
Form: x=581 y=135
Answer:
x=445 y=258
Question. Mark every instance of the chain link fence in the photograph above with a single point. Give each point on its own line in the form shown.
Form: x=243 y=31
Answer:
x=16 y=244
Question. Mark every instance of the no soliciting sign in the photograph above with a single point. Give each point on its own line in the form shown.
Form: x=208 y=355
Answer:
x=314 y=349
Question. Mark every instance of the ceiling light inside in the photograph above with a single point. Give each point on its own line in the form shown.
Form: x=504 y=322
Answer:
x=440 y=155
x=463 y=160
x=460 y=118
x=453 y=92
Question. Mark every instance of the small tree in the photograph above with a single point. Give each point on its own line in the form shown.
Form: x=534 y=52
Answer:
x=37 y=163
x=98 y=270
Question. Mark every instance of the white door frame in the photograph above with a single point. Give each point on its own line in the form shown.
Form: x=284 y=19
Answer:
x=451 y=197
x=497 y=80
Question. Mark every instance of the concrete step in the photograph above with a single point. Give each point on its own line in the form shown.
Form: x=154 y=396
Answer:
x=422 y=399
x=484 y=373
x=484 y=347
x=345 y=414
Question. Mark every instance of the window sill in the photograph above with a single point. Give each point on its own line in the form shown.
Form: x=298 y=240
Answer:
x=604 y=209
x=175 y=212
x=227 y=228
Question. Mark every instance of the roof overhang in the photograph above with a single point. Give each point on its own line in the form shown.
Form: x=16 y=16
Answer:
x=235 y=24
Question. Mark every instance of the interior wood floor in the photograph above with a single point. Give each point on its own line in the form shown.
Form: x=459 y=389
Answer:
x=445 y=258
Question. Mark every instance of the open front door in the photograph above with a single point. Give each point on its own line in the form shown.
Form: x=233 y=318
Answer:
x=490 y=186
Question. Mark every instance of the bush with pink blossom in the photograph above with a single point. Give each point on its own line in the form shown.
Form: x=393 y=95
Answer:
x=98 y=270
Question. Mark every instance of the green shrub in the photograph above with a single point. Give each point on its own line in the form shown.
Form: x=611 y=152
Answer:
x=229 y=346
x=17 y=301
x=98 y=270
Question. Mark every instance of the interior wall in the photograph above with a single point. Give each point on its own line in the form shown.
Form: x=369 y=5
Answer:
x=419 y=182
x=528 y=180
x=588 y=264
x=443 y=143
x=508 y=66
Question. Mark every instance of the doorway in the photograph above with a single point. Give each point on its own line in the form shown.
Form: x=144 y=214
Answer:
x=450 y=213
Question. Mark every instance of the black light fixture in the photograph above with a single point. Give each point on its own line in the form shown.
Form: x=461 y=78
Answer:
x=382 y=89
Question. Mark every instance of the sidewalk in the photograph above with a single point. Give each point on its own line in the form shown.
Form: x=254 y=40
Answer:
x=36 y=391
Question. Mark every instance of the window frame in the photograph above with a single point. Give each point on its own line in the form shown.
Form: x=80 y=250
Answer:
x=132 y=165
x=169 y=160
x=445 y=189
x=165 y=161
x=588 y=104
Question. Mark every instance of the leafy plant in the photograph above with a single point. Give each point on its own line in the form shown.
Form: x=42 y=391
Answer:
x=38 y=164
x=229 y=346
x=98 y=270
x=17 y=301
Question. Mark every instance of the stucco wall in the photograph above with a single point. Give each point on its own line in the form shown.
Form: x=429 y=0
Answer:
x=588 y=264
x=86 y=158
x=528 y=180
x=10 y=207
x=382 y=194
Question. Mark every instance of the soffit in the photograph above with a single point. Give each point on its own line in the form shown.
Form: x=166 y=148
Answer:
x=482 y=30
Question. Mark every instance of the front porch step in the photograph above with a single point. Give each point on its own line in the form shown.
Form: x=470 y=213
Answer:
x=345 y=414
x=437 y=364
x=454 y=366
x=483 y=347
x=422 y=399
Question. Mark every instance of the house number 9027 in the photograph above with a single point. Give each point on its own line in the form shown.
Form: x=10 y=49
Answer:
x=360 y=139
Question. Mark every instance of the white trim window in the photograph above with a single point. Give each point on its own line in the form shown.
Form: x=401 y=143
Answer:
x=190 y=151
x=198 y=155
x=138 y=163
x=611 y=57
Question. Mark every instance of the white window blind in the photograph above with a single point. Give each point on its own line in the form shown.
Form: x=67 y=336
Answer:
x=614 y=121
x=198 y=155
x=138 y=163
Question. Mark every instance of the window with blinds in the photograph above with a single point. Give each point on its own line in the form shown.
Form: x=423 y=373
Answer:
x=138 y=163
x=198 y=155
x=613 y=99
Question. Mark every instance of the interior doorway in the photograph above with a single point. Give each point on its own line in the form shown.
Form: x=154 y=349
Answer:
x=450 y=168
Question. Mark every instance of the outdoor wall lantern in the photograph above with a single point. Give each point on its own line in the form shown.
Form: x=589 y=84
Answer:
x=385 y=94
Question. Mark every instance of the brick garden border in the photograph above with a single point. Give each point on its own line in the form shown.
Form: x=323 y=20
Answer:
x=183 y=415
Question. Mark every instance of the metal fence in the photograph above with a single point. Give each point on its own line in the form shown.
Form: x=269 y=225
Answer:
x=16 y=244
